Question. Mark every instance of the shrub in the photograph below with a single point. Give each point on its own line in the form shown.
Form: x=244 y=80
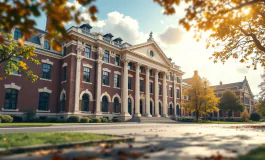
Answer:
x=73 y=119
x=84 y=120
x=116 y=120
x=255 y=117
x=17 y=119
x=245 y=115
x=0 y=119
x=104 y=120
x=6 y=119
x=51 y=119
x=30 y=114
x=186 y=119
x=96 y=120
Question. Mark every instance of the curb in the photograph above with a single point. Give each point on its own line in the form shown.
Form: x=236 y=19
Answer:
x=15 y=150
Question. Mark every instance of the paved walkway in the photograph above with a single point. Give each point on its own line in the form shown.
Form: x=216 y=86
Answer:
x=160 y=141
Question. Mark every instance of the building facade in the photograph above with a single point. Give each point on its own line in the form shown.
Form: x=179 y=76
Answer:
x=95 y=75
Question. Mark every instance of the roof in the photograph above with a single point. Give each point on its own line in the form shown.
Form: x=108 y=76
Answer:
x=108 y=35
x=118 y=39
x=85 y=25
x=186 y=80
x=229 y=85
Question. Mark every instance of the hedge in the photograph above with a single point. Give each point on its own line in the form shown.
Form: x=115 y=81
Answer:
x=255 y=117
x=6 y=118
x=116 y=120
x=73 y=119
x=104 y=120
x=84 y=120
x=96 y=120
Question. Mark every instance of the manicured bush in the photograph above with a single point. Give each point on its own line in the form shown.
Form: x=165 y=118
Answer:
x=30 y=114
x=186 y=119
x=116 y=120
x=6 y=119
x=51 y=119
x=84 y=120
x=245 y=115
x=104 y=120
x=255 y=117
x=96 y=120
x=0 y=119
x=73 y=119
x=17 y=119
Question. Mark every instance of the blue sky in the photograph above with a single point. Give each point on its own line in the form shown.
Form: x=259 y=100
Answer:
x=133 y=20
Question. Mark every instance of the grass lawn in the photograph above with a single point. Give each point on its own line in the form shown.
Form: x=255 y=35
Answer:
x=28 y=139
x=226 y=122
x=26 y=124
x=256 y=154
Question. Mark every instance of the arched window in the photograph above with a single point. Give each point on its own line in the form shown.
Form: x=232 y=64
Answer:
x=85 y=102
x=151 y=108
x=177 y=110
x=170 y=109
x=105 y=104
x=63 y=103
x=160 y=109
x=129 y=106
x=116 y=105
x=141 y=106
x=11 y=98
x=44 y=101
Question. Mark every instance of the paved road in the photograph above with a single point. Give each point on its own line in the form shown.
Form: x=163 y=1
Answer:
x=174 y=141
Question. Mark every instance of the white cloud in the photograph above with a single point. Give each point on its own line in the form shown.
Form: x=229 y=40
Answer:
x=172 y=35
x=242 y=69
x=75 y=3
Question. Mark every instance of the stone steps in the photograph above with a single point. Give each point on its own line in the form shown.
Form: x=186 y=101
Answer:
x=152 y=120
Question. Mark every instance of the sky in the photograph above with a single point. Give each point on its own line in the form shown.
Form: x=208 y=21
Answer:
x=133 y=20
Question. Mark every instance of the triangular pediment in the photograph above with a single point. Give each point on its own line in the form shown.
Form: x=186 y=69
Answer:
x=145 y=50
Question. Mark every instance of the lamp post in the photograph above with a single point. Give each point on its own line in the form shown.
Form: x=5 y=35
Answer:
x=205 y=83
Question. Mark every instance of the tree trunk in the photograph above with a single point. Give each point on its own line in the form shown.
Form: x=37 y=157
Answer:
x=197 y=116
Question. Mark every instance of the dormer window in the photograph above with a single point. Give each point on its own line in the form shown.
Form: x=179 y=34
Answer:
x=17 y=34
x=46 y=44
x=86 y=27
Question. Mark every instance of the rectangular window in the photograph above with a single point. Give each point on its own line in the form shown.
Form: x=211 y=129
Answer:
x=171 y=92
x=44 y=99
x=11 y=98
x=46 y=44
x=141 y=69
x=105 y=78
x=64 y=51
x=117 y=60
x=106 y=56
x=130 y=83
x=171 y=76
x=159 y=89
x=116 y=81
x=130 y=66
x=159 y=75
x=86 y=74
x=17 y=59
x=17 y=34
x=64 y=73
x=87 y=51
x=151 y=87
x=150 y=72
x=178 y=80
x=141 y=85
x=46 y=71
x=178 y=93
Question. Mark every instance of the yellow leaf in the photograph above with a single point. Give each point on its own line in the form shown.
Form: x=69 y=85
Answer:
x=20 y=42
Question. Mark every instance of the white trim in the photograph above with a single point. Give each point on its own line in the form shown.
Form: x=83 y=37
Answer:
x=47 y=61
x=117 y=72
x=13 y=86
x=130 y=75
x=105 y=94
x=141 y=78
x=132 y=99
x=61 y=95
x=63 y=82
x=10 y=110
x=64 y=65
x=86 y=82
x=106 y=69
x=170 y=103
x=39 y=111
x=87 y=65
x=19 y=75
x=43 y=79
x=45 y=89
x=118 y=96
x=86 y=92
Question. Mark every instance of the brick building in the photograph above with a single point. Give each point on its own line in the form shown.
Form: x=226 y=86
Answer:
x=95 y=75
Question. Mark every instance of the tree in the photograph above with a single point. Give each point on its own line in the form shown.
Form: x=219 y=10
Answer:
x=236 y=27
x=230 y=102
x=260 y=107
x=202 y=98
x=14 y=58
x=22 y=14
x=245 y=115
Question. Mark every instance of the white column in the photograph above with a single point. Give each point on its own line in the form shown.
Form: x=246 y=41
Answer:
x=165 y=108
x=99 y=81
x=125 y=115
x=137 y=91
x=175 y=95
x=77 y=82
x=156 y=95
x=147 y=93
x=99 y=84
x=180 y=93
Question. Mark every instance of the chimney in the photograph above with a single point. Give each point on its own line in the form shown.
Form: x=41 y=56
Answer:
x=195 y=73
x=221 y=83
x=48 y=22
